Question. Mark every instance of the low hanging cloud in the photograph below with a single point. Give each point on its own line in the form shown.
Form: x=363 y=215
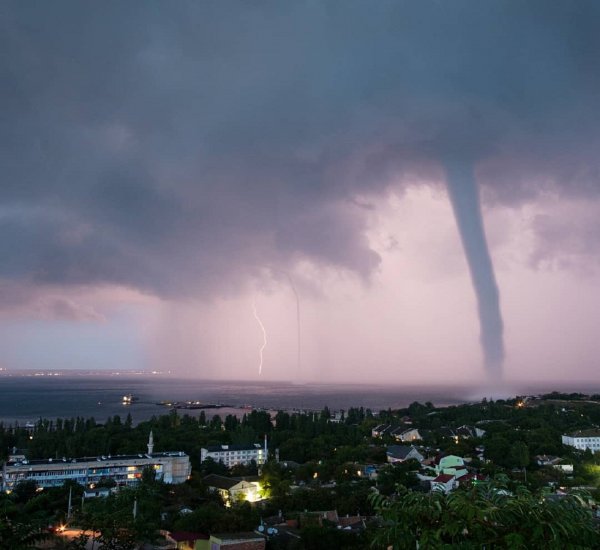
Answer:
x=68 y=310
x=24 y=301
x=183 y=148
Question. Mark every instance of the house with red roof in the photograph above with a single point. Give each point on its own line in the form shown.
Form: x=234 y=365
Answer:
x=444 y=482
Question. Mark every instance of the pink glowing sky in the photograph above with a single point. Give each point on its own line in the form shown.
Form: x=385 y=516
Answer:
x=157 y=184
x=413 y=321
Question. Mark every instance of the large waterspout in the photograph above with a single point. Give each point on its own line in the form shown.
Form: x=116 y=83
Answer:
x=464 y=195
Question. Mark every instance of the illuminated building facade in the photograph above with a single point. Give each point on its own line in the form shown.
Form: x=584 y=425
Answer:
x=234 y=489
x=125 y=470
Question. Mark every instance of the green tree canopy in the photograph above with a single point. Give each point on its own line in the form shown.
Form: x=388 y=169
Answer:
x=485 y=515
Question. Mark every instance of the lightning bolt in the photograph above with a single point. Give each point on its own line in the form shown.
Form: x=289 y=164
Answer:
x=264 y=332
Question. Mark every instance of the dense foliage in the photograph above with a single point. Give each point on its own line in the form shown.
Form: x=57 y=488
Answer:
x=486 y=515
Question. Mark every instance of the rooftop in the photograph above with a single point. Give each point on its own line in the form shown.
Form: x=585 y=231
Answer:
x=88 y=459
x=222 y=448
x=399 y=451
x=591 y=432
x=443 y=478
x=223 y=482
x=237 y=536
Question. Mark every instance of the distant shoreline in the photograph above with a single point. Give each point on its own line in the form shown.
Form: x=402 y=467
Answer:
x=532 y=386
x=26 y=398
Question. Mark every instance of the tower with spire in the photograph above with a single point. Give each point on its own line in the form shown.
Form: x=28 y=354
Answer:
x=151 y=443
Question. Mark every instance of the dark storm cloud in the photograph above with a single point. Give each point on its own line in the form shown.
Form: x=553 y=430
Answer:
x=179 y=147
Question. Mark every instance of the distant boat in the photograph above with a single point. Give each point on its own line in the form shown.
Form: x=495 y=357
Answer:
x=129 y=399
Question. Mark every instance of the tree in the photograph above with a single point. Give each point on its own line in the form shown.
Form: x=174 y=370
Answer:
x=274 y=481
x=21 y=536
x=216 y=423
x=519 y=454
x=484 y=515
x=391 y=476
x=231 y=423
x=497 y=449
x=209 y=466
x=24 y=491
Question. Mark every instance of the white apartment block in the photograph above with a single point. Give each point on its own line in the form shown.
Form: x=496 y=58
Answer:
x=232 y=455
x=583 y=440
x=124 y=470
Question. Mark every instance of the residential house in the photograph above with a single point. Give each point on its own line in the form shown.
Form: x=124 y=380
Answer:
x=403 y=432
x=402 y=453
x=406 y=435
x=462 y=432
x=547 y=460
x=380 y=430
x=450 y=464
x=234 y=489
x=555 y=462
x=443 y=482
x=99 y=492
x=467 y=432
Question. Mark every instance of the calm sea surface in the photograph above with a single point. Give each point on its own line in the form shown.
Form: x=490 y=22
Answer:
x=27 y=398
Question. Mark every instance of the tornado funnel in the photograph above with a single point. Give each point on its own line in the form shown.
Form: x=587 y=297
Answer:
x=464 y=195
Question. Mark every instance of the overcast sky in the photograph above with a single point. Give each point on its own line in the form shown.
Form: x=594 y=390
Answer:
x=170 y=167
